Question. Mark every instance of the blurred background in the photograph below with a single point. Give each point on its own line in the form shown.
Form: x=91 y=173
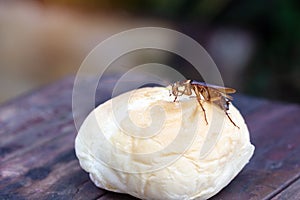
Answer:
x=255 y=43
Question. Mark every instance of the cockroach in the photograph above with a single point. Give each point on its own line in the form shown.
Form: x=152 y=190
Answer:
x=210 y=93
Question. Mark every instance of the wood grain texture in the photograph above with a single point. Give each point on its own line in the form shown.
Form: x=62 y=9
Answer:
x=290 y=193
x=274 y=131
x=37 y=159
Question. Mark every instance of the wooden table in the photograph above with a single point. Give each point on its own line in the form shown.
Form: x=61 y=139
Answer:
x=37 y=159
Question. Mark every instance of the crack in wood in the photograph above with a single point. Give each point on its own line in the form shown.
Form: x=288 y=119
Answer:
x=282 y=187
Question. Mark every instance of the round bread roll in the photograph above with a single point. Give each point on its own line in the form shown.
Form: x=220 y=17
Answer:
x=144 y=144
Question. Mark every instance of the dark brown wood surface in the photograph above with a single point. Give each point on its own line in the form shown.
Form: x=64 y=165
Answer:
x=37 y=159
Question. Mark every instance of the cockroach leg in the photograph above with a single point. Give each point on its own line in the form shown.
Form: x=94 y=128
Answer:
x=231 y=120
x=175 y=99
x=199 y=101
x=203 y=111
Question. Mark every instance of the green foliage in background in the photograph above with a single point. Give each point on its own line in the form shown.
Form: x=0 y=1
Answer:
x=274 y=71
x=275 y=68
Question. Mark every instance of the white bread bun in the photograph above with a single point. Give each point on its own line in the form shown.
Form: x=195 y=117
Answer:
x=144 y=144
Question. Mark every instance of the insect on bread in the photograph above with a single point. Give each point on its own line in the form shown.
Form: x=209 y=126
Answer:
x=210 y=93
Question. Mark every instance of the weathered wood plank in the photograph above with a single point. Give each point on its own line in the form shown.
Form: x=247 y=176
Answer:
x=37 y=148
x=65 y=181
x=37 y=159
x=25 y=122
x=275 y=133
x=290 y=193
x=116 y=196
